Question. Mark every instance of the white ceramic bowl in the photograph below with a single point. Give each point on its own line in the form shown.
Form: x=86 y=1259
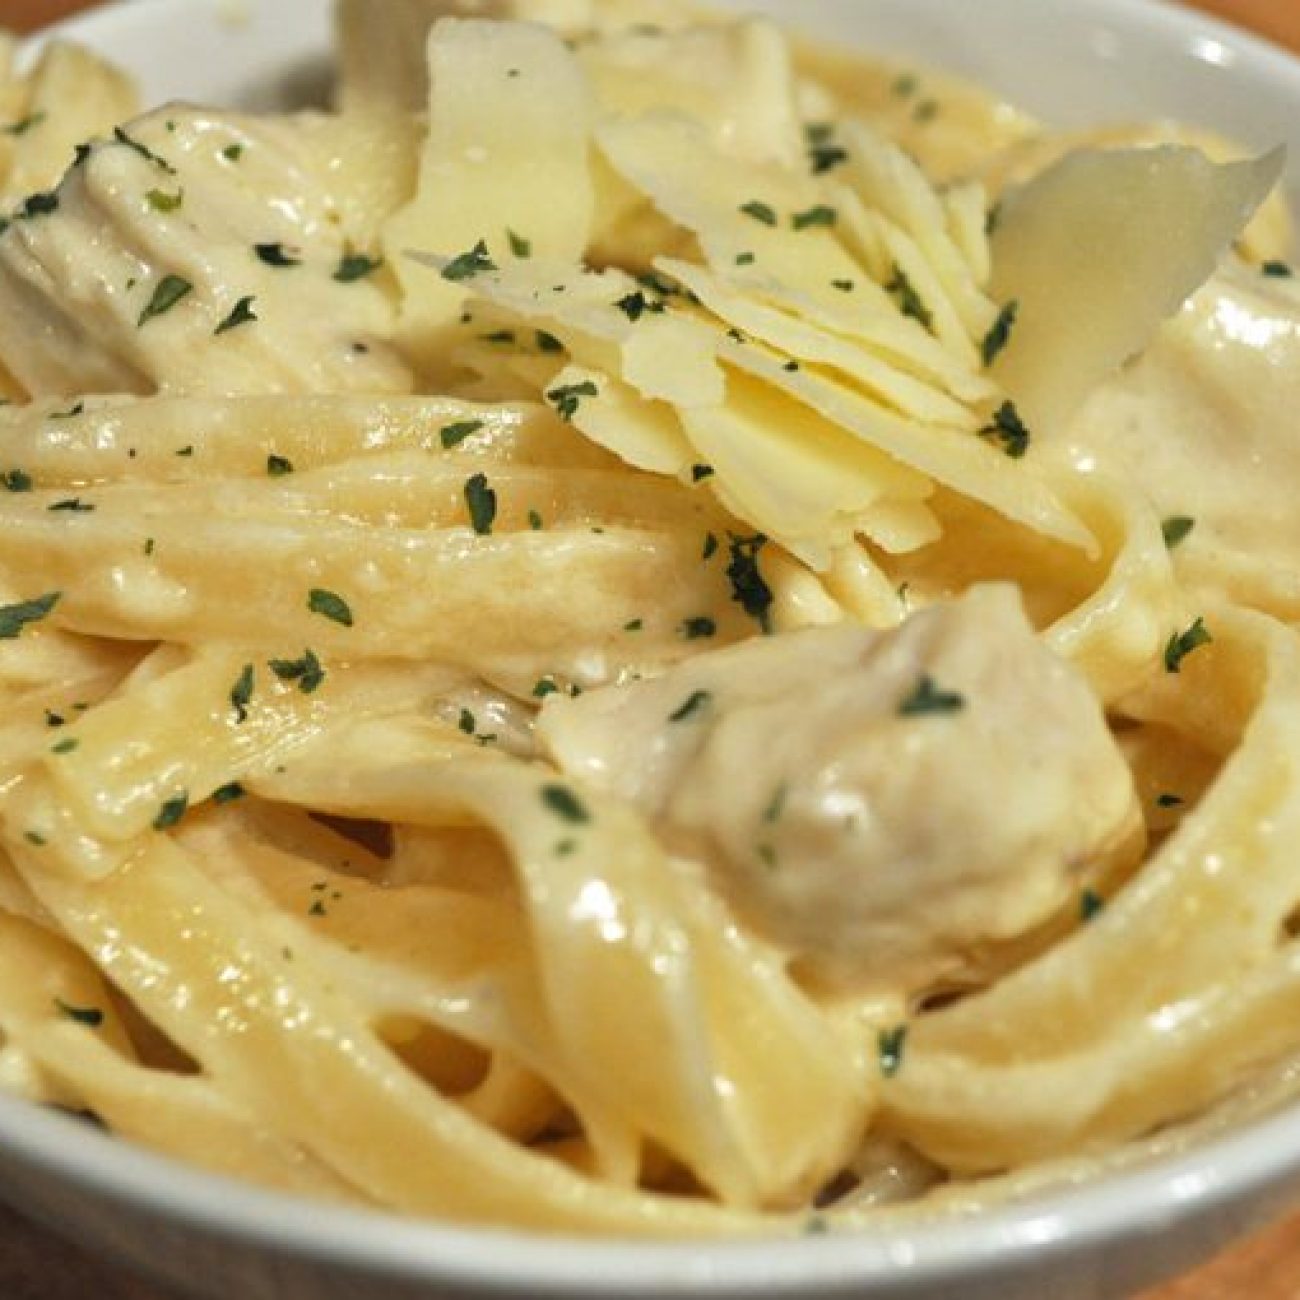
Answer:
x=1072 y=61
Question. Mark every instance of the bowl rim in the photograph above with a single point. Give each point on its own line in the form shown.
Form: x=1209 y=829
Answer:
x=1144 y=1200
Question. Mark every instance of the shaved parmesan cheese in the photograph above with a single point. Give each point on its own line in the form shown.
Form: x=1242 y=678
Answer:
x=1100 y=249
x=509 y=121
x=888 y=182
x=606 y=320
x=735 y=207
x=647 y=435
x=857 y=365
x=734 y=78
x=790 y=473
x=952 y=457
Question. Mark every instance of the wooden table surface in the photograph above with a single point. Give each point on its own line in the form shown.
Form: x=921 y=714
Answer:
x=36 y=1265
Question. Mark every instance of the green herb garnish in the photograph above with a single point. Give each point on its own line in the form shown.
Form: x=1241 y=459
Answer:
x=696 y=701
x=275 y=255
x=482 y=503
x=562 y=801
x=171 y=812
x=926 y=697
x=451 y=435
x=470 y=264
x=167 y=293
x=759 y=211
x=1008 y=430
x=307 y=671
x=241 y=313
x=1181 y=644
x=999 y=334
x=329 y=605
x=1176 y=528
x=242 y=692
x=13 y=618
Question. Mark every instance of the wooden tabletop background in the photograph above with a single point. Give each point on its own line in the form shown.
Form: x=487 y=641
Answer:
x=36 y=1265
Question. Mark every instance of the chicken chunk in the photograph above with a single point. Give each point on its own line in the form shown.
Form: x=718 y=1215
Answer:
x=193 y=252
x=882 y=804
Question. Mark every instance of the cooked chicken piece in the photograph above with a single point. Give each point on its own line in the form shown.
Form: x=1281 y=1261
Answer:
x=882 y=804
x=193 y=252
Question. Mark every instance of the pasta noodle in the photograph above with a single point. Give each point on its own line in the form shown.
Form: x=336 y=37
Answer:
x=643 y=629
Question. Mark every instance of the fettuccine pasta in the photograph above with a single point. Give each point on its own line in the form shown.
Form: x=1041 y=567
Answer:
x=642 y=629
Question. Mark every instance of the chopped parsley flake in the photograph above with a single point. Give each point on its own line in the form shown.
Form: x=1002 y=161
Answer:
x=1181 y=644
x=241 y=313
x=634 y=625
x=905 y=86
x=307 y=671
x=16 y=480
x=171 y=812
x=36 y=838
x=1090 y=903
x=161 y=201
x=38 y=205
x=499 y=336
x=228 y=793
x=910 y=303
x=452 y=435
x=566 y=397
x=466 y=722
x=356 y=266
x=233 y=152
x=23 y=125
x=999 y=334
x=143 y=150
x=167 y=293
x=242 y=692
x=890 y=1044
x=534 y=520
x=482 y=503
x=695 y=628
x=759 y=211
x=926 y=111
x=13 y=618
x=744 y=259
x=695 y=702
x=548 y=342
x=561 y=800
x=519 y=246
x=275 y=255
x=635 y=305
x=823 y=153
x=701 y=472
x=329 y=605
x=91 y=1017
x=543 y=687
x=278 y=466
x=776 y=806
x=748 y=588
x=74 y=505
x=1176 y=528
x=76 y=409
x=820 y=215
x=470 y=264
x=64 y=746
x=1169 y=800
x=1008 y=430
x=926 y=697
x=710 y=546
x=844 y=286
x=1277 y=270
